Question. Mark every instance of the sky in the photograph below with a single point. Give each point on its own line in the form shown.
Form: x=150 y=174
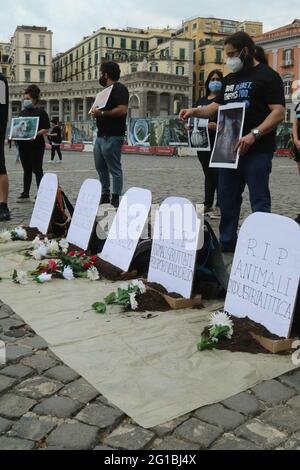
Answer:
x=70 y=20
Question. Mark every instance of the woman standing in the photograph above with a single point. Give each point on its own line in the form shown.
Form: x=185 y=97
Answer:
x=32 y=151
x=55 y=140
x=296 y=138
x=257 y=85
x=213 y=87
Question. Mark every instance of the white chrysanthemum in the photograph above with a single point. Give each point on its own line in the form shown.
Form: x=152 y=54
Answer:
x=64 y=245
x=21 y=233
x=40 y=252
x=222 y=319
x=141 y=286
x=133 y=303
x=43 y=278
x=37 y=243
x=53 y=247
x=5 y=236
x=124 y=286
x=22 y=278
x=93 y=274
x=68 y=274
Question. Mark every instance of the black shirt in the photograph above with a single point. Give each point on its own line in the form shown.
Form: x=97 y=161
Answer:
x=114 y=126
x=44 y=123
x=257 y=88
x=57 y=139
x=3 y=105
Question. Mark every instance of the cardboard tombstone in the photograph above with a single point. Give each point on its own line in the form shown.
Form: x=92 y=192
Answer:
x=127 y=228
x=265 y=273
x=175 y=245
x=44 y=204
x=84 y=217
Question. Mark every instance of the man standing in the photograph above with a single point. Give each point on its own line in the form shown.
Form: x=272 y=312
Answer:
x=111 y=123
x=4 y=211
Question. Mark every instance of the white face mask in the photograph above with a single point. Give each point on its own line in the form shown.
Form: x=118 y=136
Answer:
x=235 y=64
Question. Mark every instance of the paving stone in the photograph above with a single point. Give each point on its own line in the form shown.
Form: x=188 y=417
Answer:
x=6 y=310
x=60 y=407
x=292 y=381
x=103 y=448
x=262 y=434
x=40 y=362
x=104 y=401
x=294 y=402
x=6 y=383
x=17 y=371
x=75 y=436
x=220 y=416
x=244 y=403
x=5 y=425
x=283 y=418
x=36 y=343
x=32 y=428
x=10 y=443
x=130 y=438
x=11 y=324
x=293 y=443
x=62 y=373
x=105 y=418
x=13 y=406
x=230 y=442
x=15 y=353
x=38 y=388
x=171 y=443
x=273 y=392
x=169 y=427
x=17 y=334
x=80 y=390
x=198 y=432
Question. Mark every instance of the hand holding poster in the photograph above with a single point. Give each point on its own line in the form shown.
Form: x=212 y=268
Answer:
x=102 y=98
x=230 y=130
x=198 y=134
x=24 y=128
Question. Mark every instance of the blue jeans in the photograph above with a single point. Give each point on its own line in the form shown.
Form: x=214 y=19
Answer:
x=108 y=152
x=254 y=171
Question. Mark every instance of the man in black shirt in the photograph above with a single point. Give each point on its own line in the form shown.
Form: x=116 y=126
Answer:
x=4 y=211
x=111 y=123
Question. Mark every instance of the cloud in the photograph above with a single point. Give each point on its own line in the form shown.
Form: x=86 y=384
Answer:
x=71 y=20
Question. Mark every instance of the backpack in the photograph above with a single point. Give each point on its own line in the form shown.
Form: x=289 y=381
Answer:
x=60 y=221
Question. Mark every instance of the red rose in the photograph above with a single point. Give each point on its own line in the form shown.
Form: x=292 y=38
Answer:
x=72 y=253
x=87 y=265
x=80 y=253
x=93 y=259
x=53 y=265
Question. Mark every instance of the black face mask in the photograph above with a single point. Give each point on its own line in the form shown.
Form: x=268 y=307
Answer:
x=103 y=82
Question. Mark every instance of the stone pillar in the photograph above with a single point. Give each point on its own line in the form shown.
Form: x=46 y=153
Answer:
x=48 y=108
x=73 y=110
x=157 y=109
x=171 y=105
x=61 y=110
x=143 y=104
x=85 y=110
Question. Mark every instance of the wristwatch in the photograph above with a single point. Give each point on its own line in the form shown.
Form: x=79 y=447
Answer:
x=257 y=133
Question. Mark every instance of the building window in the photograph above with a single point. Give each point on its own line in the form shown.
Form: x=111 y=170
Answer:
x=83 y=77
x=42 y=41
x=89 y=76
x=42 y=76
x=27 y=75
x=110 y=42
x=288 y=57
x=27 y=58
x=96 y=58
x=134 y=68
x=82 y=50
x=186 y=29
x=109 y=56
x=153 y=68
x=96 y=43
x=219 y=56
x=90 y=47
x=134 y=44
x=96 y=74
x=202 y=57
x=179 y=70
x=42 y=59
x=181 y=54
x=194 y=25
x=195 y=44
x=202 y=77
x=27 y=40
x=288 y=88
x=123 y=43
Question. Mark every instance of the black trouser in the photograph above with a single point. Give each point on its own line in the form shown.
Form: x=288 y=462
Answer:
x=55 y=148
x=211 y=179
x=31 y=156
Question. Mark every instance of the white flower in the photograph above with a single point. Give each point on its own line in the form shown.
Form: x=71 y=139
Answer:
x=40 y=252
x=124 y=286
x=93 y=274
x=5 y=236
x=21 y=233
x=53 y=247
x=43 y=278
x=36 y=243
x=133 y=303
x=141 y=286
x=68 y=274
x=222 y=319
x=64 y=245
x=21 y=278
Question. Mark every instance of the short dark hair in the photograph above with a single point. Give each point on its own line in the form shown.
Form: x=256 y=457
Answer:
x=210 y=76
x=54 y=121
x=33 y=91
x=112 y=69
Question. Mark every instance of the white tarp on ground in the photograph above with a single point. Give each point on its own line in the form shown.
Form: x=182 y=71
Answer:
x=150 y=369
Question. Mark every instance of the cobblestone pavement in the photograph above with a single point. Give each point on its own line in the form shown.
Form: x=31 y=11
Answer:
x=46 y=405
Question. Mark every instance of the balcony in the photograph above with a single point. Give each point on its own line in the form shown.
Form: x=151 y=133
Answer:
x=288 y=63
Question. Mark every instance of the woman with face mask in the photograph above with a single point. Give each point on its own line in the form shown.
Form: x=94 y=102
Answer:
x=32 y=151
x=213 y=87
x=257 y=85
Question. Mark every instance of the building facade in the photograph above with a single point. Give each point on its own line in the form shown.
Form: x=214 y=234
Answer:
x=208 y=35
x=151 y=94
x=4 y=59
x=282 y=47
x=31 y=55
